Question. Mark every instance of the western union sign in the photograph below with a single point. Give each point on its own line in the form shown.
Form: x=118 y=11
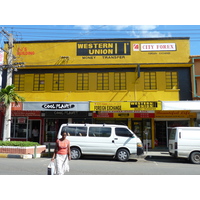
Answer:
x=103 y=48
x=125 y=106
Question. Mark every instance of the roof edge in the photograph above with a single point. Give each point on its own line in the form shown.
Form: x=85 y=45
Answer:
x=104 y=39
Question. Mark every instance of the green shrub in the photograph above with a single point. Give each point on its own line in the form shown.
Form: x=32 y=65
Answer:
x=18 y=143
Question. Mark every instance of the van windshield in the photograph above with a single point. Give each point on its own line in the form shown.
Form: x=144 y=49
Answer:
x=172 y=134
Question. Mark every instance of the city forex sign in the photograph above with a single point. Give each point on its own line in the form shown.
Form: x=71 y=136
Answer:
x=125 y=106
x=158 y=47
x=103 y=48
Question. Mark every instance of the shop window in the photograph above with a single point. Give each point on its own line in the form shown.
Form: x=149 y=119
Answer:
x=19 y=82
x=82 y=81
x=120 y=81
x=39 y=82
x=99 y=132
x=19 y=127
x=150 y=81
x=50 y=130
x=171 y=80
x=102 y=81
x=58 y=82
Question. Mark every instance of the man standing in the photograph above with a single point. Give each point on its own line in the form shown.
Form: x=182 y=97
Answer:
x=35 y=134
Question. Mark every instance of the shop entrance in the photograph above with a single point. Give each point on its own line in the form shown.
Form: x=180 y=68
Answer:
x=162 y=130
x=143 y=130
x=161 y=133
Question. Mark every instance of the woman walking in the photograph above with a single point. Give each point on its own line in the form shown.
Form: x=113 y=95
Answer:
x=62 y=154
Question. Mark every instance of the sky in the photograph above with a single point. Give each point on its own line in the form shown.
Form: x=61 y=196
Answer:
x=89 y=19
x=71 y=32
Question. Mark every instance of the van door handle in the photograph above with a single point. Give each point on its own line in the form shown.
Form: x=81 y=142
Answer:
x=113 y=141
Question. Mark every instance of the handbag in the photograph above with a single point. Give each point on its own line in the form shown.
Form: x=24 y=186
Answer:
x=51 y=168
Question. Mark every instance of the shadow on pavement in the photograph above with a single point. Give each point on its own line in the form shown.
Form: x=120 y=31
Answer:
x=165 y=158
x=104 y=158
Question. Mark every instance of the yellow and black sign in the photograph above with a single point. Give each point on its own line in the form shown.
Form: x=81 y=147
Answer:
x=125 y=106
x=103 y=48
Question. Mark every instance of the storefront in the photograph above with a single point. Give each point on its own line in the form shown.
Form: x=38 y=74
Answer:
x=54 y=119
x=53 y=114
x=146 y=119
x=23 y=123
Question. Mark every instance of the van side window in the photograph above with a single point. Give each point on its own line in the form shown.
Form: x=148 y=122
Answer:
x=99 y=132
x=123 y=132
x=75 y=130
x=172 y=134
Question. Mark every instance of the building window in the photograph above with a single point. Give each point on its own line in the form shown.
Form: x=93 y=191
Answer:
x=82 y=81
x=58 y=82
x=19 y=82
x=171 y=80
x=102 y=81
x=150 y=81
x=120 y=81
x=39 y=82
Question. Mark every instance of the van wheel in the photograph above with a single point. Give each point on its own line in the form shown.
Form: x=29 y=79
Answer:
x=122 y=155
x=75 y=153
x=195 y=157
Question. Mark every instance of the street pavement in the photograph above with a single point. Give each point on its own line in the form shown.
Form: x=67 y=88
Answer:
x=151 y=163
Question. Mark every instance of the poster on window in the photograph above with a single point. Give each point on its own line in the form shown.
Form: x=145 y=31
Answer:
x=21 y=120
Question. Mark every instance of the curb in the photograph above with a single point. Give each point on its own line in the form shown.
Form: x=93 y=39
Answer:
x=21 y=156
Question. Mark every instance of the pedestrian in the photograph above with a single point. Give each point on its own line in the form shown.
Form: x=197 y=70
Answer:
x=62 y=154
x=35 y=134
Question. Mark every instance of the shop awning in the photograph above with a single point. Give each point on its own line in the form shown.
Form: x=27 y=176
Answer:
x=181 y=105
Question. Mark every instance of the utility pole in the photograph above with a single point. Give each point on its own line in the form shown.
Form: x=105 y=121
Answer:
x=10 y=67
x=7 y=117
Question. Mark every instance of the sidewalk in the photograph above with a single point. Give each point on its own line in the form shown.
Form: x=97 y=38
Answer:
x=149 y=154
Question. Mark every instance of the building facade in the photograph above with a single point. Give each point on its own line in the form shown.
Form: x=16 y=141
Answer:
x=121 y=81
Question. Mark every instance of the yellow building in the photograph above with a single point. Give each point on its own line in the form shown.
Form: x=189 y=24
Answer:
x=102 y=81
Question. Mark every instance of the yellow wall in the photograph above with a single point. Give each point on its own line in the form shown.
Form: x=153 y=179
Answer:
x=42 y=54
x=135 y=90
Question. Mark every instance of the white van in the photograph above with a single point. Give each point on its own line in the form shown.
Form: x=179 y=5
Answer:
x=101 y=139
x=184 y=142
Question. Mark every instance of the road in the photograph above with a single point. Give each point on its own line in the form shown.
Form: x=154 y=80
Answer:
x=155 y=165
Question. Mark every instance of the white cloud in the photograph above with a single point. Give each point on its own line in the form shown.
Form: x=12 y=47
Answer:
x=84 y=27
x=145 y=27
x=137 y=31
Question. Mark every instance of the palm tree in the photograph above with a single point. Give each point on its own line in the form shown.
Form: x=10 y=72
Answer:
x=7 y=96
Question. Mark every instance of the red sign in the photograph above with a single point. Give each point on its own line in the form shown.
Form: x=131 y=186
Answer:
x=19 y=106
x=135 y=47
x=21 y=120
x=16 y=107
x=144 y=115
x=103 y=115
x=24 y=51
x=26 y=113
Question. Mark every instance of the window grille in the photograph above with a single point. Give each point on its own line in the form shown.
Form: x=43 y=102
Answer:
x=171 y=80
x=102 y=81
x=150 y=82
x=19 y=82
x=82 y=81
x=58 y=82
x=120 y=81
x=39 y=82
